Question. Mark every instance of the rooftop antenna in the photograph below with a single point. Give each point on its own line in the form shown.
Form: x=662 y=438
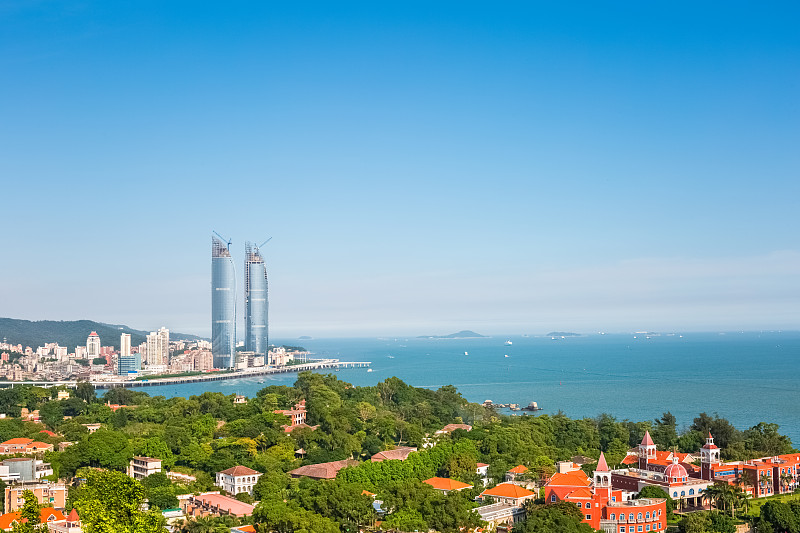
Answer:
x=228 y=241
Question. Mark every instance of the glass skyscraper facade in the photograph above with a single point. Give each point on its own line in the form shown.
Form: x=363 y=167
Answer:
x=223 y=305
x=256 y=302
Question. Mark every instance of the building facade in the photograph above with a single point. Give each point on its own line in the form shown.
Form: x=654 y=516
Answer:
x=238 y=479
x=256 y=302
x=223 y=305
x=128 y=363
x=141 y=467
x=48 y=494
x=124 y=344
x=93 y=345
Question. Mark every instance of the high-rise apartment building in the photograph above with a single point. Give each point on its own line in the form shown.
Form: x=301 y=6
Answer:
x=158 y=347
x=124 y=344
x=93 y=345
x=256 y=303
x=223 y=305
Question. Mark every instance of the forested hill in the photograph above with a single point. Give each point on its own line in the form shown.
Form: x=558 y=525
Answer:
x=71 y=333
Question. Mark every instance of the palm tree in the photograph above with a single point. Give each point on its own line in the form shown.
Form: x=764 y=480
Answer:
x=715 y=494
x=764 y=479
x=786 y=480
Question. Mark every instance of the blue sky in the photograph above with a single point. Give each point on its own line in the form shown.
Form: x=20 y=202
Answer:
x=422 y=167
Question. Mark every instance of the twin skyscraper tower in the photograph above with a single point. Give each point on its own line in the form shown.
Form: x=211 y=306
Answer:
x=223 y=303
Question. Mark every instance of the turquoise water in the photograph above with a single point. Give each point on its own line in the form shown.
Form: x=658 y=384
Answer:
x=745 y=377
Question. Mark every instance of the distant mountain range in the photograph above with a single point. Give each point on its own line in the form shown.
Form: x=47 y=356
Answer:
x=465 y=334
x=71 y=333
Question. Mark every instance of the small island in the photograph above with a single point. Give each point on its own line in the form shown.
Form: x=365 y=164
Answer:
x=563 y=334
x=304 y=338
x=465 y=334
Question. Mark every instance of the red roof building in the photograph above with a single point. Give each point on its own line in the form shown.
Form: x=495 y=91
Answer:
x=399 y=454
x=445 y=484
x=322 y=470
x=603 y=507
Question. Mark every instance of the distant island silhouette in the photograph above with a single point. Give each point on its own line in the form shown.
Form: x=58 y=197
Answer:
x=563 y=334
x=465 y=334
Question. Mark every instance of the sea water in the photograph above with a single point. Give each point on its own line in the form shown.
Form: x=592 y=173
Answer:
x=745 y=377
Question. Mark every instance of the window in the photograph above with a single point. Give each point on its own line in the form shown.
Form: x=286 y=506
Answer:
x=630 y=517
x=553 y=497
x=675 y=494
x=588 y=517
x=647 y=515
x=639 y=528
x=613 y=516
x=613 y=498
x=639 y=516
x=647 y=527
x=691 y=492
x=588 y=505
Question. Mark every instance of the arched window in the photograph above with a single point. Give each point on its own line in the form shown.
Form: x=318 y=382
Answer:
x=691 y=492
x=683 y=493
x=588 y=505
x=613 y=516
x=647 y=515
x=675 y=494
x=639 y=516
x=630 y=517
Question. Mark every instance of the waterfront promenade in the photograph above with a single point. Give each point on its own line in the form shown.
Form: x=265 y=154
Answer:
x=322 y=364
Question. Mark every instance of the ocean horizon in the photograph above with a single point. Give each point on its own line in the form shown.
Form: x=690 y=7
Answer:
x=746 y=377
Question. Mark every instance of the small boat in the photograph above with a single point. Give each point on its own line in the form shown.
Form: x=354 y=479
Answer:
x=369 y=370
x=466 y=353
x=505 y=355
x=509 y=343
x=261 y=381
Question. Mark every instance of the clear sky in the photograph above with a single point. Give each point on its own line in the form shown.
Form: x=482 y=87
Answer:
x=422 y=167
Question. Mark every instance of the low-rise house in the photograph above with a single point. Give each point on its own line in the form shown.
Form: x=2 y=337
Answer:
x=71 y=524
x=25 y=469
x=181 y=477
x=238 y=479
x=322 y=470
x=516 y=472
x=47 y=515
x=400 y=454
x=48 y=494
x=449 y=428
x=141 y=467
x=23 y=445
x=482 y=469
x=507 y=493
x=445 y=484
x=297 y=415
x=92 y=427
x=214 y=503
x=500 y=515
x=240 y=399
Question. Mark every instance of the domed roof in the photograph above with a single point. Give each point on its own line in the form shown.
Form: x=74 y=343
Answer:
x=675 y=470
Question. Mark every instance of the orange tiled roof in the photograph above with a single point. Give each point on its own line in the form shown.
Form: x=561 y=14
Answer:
x=575 y=478
x=507 y=490
x=45 y=515
x=630 y=459
x=39 y=444
x=18 y=440
x=444 y=483
x=519 y=469
x=583 y=492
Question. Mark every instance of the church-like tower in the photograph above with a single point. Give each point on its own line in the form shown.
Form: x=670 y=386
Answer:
x=602 y=478
x=647 y=451
x=709 y=456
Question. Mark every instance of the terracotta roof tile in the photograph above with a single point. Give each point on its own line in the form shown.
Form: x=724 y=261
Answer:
x=240 y=471
x=322 y=470
x=444 y=483
x=507 y=490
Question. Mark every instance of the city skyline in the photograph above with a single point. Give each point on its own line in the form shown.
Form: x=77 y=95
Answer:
x=424 y=168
